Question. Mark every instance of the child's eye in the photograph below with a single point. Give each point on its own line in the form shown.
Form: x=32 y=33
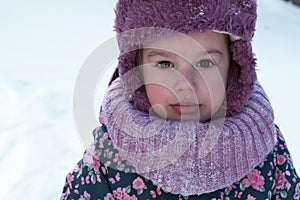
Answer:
x=205 y=63
x=164 y=64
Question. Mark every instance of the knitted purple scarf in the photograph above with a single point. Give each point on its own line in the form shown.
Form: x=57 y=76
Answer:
x=188 y=157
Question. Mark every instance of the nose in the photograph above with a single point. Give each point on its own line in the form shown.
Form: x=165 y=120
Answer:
x=187 y=77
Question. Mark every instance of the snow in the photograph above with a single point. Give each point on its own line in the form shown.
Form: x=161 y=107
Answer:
x=277 y=47
x=43 y=46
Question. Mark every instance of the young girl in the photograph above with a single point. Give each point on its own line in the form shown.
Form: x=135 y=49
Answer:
x=184 y=116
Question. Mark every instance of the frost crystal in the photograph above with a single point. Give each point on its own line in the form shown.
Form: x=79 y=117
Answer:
x=199 y=10
x=247 y=4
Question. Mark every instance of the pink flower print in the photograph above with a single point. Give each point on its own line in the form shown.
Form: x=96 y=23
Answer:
x=117 y=159
x=281 y=159
x=232 y=187
x=87 y=179
x=98 y=178
x=100 y=141
x=153 y=194
x=249 y=197
x=70 y=178
x=107 y=164
x=238 y=194
x=96 y=165
x=297 y=192
x=254 y=179
x=158 y=191
x=294 y=180
x=275 y=162
x=68 y=191
x=88 y=159
x=138 y=184
x=101 y=118
x=127 y=197
x=280 y=179
x=288 y=186
x=104 y=170
x=105 y=135
x=109 y=196
x=276 y=146
x=86 y=196
x=120 y=194
x=117 y=177
x=91 y=160
x=271 y=163
x=76 y=189
x=270 y=175
x=281 y=147
x=112 y=180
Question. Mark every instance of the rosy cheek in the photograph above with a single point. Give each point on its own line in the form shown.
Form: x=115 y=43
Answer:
x=158 y=97
x=156 y=93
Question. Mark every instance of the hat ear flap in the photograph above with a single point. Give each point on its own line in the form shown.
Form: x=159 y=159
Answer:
x=238 y=91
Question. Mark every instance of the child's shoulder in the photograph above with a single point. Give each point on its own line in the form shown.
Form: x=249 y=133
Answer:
x=281 y=154
x=280 y=145
x=287 y=182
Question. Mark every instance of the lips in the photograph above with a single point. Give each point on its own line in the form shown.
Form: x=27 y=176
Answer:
x=186 y=108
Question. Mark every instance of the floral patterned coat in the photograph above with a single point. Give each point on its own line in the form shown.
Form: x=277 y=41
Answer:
x=275 y=178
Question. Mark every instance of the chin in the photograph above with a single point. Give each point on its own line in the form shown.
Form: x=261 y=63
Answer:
x=186 y=118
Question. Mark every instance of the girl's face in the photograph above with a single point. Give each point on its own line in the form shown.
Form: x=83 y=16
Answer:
x=185 y=76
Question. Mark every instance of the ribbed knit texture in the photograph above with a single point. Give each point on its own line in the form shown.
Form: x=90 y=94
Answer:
x=136 y=21
x=186 y=157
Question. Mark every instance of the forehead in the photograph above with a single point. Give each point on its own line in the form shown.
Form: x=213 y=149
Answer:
x=196 y=42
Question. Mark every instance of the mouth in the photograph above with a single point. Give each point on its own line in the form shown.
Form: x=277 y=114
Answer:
x=186 y=108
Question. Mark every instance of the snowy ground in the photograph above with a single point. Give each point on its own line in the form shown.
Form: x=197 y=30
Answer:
x=43 y=46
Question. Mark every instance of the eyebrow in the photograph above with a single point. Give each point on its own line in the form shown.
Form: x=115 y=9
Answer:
x=212 y=51
x=167 y=54
x=153 y=53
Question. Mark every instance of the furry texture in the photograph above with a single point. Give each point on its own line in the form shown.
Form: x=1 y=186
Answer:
x=190 y=16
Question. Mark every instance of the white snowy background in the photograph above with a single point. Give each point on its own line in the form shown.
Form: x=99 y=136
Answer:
x=43 y=45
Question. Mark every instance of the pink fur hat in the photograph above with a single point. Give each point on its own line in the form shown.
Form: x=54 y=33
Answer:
x=233 y=17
